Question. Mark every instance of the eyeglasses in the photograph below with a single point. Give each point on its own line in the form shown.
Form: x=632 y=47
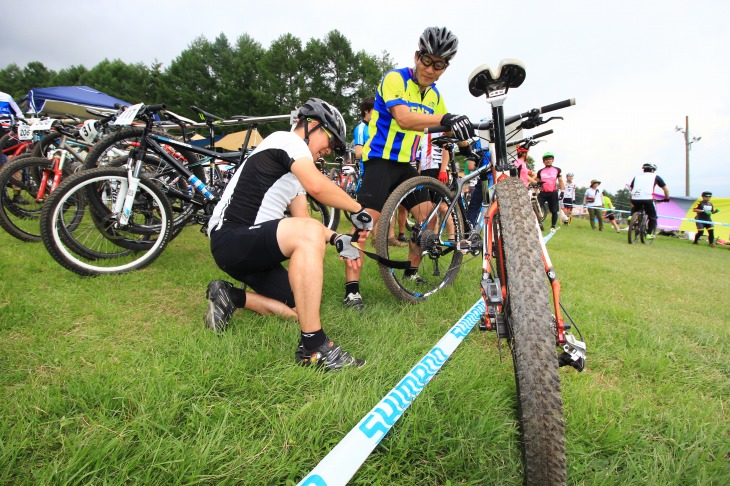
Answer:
x=331 y=137
x=429 y=61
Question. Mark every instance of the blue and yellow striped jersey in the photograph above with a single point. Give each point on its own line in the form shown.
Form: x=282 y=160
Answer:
x=388 y=140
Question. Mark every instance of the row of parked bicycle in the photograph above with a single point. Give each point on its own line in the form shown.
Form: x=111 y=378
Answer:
x=67 y=183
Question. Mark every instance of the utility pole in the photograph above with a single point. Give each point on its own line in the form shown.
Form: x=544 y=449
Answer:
x=687 y=146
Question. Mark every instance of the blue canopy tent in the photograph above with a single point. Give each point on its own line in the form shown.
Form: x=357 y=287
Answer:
x=72 y=100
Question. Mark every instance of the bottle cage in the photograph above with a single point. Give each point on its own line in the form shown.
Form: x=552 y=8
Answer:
x=484 y=81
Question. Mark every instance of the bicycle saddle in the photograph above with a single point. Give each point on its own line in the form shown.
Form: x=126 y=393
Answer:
x=509 y=74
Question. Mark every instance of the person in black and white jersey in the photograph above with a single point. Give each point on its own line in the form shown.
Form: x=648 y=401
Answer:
x=569 y=197
x=250 y=236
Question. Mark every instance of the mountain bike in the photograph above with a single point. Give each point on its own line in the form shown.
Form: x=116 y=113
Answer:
x=26 y=181
x=639 y=226
x=515 y=264
x=128 y=216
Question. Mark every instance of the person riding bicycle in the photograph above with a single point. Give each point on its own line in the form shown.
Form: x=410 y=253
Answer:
x=552 y=180
x=704 y=212
x=250 y=237
x=569 y=197
x=593 y=202
x=407 y=101
x=642 y=194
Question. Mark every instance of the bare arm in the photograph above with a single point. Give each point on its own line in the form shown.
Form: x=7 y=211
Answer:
x=321 y=188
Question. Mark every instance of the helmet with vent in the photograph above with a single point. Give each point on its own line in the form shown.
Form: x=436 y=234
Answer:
x=328 y=116
x=438 y=41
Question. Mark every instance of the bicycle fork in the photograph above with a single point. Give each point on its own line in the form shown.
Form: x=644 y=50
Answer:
x=574 y=350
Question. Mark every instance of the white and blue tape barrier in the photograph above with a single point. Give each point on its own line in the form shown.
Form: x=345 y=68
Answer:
x=659 y=216
x=343 y=461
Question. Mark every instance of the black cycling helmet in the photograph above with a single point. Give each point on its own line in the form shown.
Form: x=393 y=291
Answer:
x=649 y=167
x=707 y=194
x=438 y=41
x=328 y=116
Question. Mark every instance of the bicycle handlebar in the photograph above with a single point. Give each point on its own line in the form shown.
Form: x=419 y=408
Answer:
x=507 y=121
x=530 y=138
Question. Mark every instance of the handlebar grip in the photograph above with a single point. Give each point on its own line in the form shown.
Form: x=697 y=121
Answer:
x=542 y=134
x=531 y=137
x=558 y=106
x=438 y=129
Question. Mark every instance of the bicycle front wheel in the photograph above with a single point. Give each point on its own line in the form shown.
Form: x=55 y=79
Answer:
x=432 y=237
x=531 y=336
x=96 y=243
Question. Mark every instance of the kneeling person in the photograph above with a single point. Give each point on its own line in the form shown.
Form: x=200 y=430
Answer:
x=250 y=235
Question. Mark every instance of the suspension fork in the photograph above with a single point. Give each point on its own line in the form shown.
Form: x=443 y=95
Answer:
x=59 y=158
x=555 y=285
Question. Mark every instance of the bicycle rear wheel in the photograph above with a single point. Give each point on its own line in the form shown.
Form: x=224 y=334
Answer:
x=96 y=244
x=634 y=228
x=531 y=336
x=432 y=242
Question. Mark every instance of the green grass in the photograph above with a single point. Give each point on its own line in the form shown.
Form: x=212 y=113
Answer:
x=114 y=380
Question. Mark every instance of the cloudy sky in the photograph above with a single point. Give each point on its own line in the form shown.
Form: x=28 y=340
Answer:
x=636 y=69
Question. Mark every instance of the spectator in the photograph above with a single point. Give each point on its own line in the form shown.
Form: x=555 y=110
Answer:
x=609 y=214
x=593 y=201
x=704 y=211
x=569 y=197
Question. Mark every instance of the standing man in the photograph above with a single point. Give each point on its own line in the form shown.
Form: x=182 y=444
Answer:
x=593 y=201
x=250 y=237
x=361 y=134
x=704 y=211
x=642 y=194
x=406 y=102
x=552 y=180
x=569 y=196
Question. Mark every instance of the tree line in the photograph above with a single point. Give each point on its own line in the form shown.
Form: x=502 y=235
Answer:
x=225 y=79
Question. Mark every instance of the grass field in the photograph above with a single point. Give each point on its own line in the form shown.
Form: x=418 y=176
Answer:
x=114 y=380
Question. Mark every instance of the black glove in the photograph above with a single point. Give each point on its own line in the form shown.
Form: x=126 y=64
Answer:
x=459 y=125
x=362 y=220
x=466 y=151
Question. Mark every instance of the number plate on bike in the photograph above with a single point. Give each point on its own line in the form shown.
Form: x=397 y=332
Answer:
x=42 y=125
x=25 y=132
x=129 y=115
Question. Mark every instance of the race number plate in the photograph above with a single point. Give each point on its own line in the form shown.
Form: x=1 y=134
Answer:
x=129 y=114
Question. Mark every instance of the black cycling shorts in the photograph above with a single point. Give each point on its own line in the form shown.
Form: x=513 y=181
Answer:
x=252 y=255
x=380 y=180
x=568 y=202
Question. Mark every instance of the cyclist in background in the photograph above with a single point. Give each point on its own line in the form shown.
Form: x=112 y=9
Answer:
x=526 y=175
x=250 y=237
x=361 y=134
x=704 y=212
x=552 y=183
x=407 y=101
x=569 y=197
x=9 y=110
x=642 y=195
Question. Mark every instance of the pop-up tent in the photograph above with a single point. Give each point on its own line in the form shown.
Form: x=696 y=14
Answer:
x=234 y=141
x=73 y=100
